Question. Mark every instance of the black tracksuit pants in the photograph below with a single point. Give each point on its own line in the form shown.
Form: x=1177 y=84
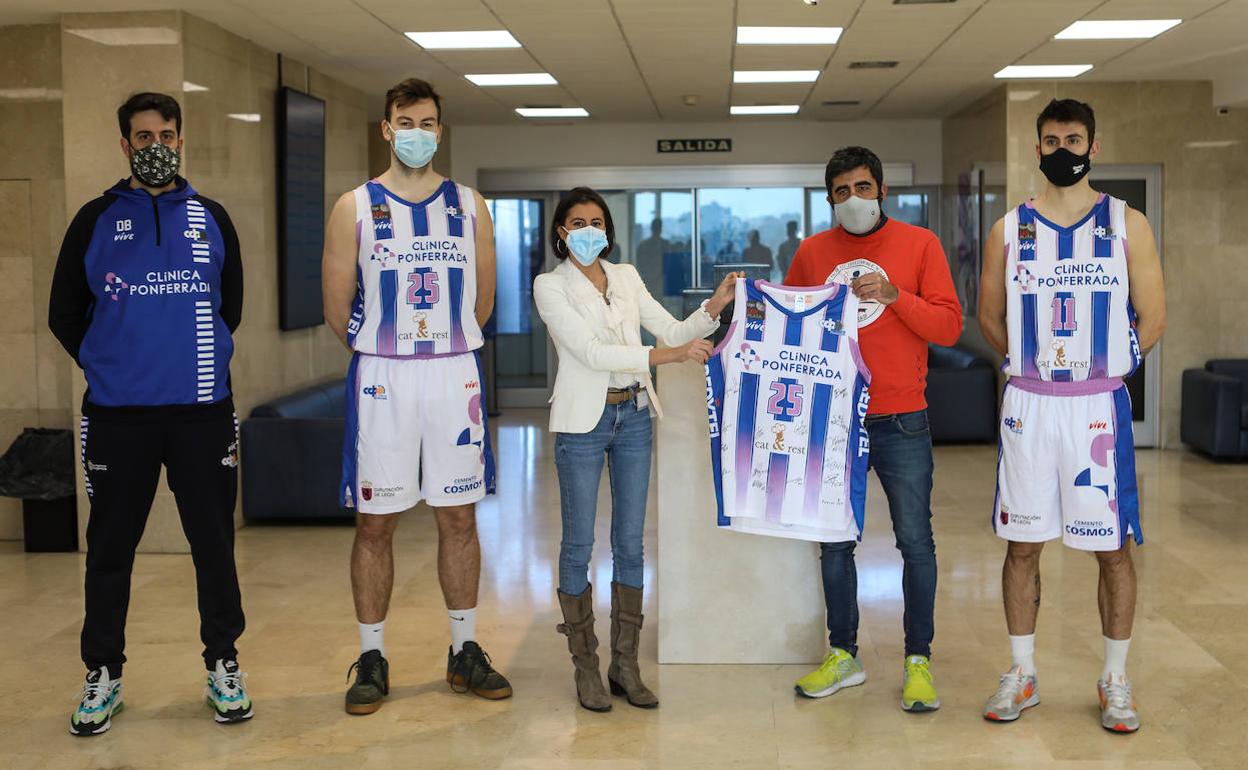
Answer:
x=122 y=453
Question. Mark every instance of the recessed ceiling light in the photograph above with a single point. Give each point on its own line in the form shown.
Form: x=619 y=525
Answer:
x=764 y=109
x=872 y=65
x=246 y=117
x=128 y=35
x=513 y=79
x=31 y=94
x=775 y=76
x=842 y=103
x=492 y=38
x=1211 y=144
x=1117 y=29
x=190 y=88
x=552 y=112
x=788 y=35
x=1043 y=71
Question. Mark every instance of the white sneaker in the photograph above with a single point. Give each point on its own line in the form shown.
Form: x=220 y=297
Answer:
x=1017 y=691
x=1117 y=704
x=226 y=694
x=101 y=699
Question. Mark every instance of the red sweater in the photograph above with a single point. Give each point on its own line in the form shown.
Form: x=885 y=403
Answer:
x=894 y=342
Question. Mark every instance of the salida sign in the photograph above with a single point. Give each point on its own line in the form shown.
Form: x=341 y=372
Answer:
x=695 y=145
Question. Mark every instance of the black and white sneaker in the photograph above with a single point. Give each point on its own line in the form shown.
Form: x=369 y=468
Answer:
x=101 y=699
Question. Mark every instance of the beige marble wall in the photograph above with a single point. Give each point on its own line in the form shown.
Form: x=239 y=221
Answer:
x=1205 y=192
x=96 y=61
x=35 y=382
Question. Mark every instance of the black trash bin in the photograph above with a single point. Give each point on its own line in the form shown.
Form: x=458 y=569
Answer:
x=39 y=468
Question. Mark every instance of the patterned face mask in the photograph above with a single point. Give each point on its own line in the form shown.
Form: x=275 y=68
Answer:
x=155 y=165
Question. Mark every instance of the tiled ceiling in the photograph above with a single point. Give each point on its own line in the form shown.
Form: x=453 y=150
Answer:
x=652 y=60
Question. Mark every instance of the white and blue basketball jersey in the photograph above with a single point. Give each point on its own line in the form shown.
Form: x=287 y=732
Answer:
x=1068 y=297
x=786 y=396
x=417 y=285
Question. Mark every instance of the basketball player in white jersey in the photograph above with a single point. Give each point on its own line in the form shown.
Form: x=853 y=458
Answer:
x=1074 y=314
x=408 y=276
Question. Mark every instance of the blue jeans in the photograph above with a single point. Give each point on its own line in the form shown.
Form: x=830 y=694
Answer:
x=901 y=454
x=623 y=439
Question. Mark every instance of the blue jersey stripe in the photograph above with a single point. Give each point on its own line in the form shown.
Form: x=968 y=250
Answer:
x=1026 y=233
x=856 y=462
x=747 y=405
x=715 y=414
x=793 y=331
x=383 y=225
x=821 y=406
x=1065 y=244
x=487 y=447
x=455 y=284
x=831 y=340
x=1125 y=483
x=454 y=215
x=1100 y=335
x=420 y=221
x=350 y=463
x=387 y=337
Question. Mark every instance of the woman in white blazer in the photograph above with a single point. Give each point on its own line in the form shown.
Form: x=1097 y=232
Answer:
x=594 y=310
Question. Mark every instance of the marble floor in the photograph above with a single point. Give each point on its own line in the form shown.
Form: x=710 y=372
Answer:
x=1188 y=661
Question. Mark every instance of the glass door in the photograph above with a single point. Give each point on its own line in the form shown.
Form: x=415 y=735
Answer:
x=1140 y=187
x=517 y=348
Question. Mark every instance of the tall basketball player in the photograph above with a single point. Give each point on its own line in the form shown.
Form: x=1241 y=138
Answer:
x=1074 y=315
x=408 y=283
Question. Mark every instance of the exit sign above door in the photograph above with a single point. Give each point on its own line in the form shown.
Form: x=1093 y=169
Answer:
x=695 y=145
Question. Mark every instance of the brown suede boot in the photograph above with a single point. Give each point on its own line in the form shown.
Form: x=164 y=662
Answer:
x=578 y=626
x=624 y=674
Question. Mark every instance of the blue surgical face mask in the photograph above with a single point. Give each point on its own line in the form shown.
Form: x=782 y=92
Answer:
x=414 y=146
x=586 y=243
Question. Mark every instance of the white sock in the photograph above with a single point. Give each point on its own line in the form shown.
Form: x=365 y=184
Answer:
x=373 y=637
x=463 y=627
x=1023 y=653
x=1115 y=657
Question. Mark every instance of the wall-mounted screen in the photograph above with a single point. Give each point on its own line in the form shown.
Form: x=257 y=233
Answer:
x=300 y=207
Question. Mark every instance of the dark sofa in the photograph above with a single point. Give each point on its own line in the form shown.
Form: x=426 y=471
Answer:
x=292 y=455
x=1214 y=416
x=961 y=396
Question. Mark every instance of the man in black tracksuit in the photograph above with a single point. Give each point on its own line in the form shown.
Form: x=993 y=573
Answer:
x=147 y=292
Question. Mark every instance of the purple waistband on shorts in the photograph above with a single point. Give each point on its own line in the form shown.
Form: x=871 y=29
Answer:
x=1082 y=388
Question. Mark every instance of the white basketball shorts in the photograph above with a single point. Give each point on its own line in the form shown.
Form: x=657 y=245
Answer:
x=1067 y=465
x=416 y=430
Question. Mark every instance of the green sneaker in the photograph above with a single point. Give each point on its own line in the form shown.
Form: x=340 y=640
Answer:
x=839 y=669
x=917 y=691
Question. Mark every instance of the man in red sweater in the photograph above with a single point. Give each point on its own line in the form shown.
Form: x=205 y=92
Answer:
x=900 y=274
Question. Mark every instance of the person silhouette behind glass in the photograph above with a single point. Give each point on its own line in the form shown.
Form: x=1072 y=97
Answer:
x=784 y=255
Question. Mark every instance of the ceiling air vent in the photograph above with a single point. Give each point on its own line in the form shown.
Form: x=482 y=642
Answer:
x=872 y=65
x=842 y=103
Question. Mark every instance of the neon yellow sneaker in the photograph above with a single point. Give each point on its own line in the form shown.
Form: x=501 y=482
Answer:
x=917 y=691
x=839 y=669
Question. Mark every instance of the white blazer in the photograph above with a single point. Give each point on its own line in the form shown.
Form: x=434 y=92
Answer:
x=576 y=319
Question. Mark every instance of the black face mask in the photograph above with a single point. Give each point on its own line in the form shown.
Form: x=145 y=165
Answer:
x=1064 y=168
x=155 y=165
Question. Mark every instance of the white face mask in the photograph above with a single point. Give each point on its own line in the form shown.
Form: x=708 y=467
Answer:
x=858 y=215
